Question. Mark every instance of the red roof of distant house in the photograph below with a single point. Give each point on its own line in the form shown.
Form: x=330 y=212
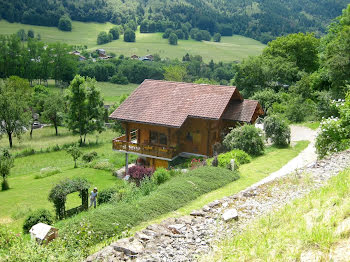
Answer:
x=242 y=111
x=171 y=103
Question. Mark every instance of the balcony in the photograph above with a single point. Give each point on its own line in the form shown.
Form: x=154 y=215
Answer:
x=162 y=152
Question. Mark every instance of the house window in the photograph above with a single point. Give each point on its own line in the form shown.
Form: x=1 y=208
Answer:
x=189 y=137
x=158 y=138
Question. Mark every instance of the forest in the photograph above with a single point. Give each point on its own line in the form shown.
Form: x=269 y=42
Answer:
x=261 y=20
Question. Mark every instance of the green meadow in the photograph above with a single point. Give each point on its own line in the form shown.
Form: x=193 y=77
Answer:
x=230 y=49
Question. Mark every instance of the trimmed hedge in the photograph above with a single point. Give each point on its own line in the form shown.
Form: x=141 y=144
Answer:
x=170 y=196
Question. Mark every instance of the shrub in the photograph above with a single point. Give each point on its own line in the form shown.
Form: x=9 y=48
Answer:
x=129 y=35
x=173 y=39
x=138 y=173
x=65 y=24
x=168 y=197
x=147 y=186
x=106 y=195
x=102 y=38
x=114 y=32
x=277 y=130
x=88 y=157
x=247 y=138
x=103 y=164
x=160 y=176
x=40 y=215
x=48 y=171
x=240 y=157
x=119 y=79
x=217 y=37
x=331 y=138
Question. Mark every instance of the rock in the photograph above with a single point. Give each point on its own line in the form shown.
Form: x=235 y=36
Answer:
x=341 y=252
x=197 y=213
x=161 y=230
x=344 y=227
x=230 y=214
x=128 y=247
x=176 y=228
x=185 y=220
x=214 y=204
x=206 y=209
x=143 y=236
x=311 y=256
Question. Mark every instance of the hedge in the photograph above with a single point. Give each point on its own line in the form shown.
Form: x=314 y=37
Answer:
x=170 y=196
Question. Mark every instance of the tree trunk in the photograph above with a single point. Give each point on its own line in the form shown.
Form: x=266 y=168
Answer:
x=56 y=129
x=84 y=138
x=31 y=131
x=75 y=163
x=10 y=139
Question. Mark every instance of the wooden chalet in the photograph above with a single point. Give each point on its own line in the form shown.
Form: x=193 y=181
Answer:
x=163 y=120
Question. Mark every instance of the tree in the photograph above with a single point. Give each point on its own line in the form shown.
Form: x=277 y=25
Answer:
x=14 y=109
x=102 y=38
x=114 y=32
x=129 y=35
x=217 y=37
x=277 y=130
x=75 y=152
x=167 y=33
x=301 y=49
x=65 y=24
x=175 y=73
x=22 y=35
x=6 y=163
x=85 y=110
x=53 y=109
x=173 y=39
x=30 y=33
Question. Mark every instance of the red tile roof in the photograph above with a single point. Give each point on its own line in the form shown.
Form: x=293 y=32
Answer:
x=170 y=103
x=241 y=111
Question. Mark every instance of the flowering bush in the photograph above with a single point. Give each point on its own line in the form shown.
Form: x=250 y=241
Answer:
x=138 y=173
x=332 y=137
x=195 y=163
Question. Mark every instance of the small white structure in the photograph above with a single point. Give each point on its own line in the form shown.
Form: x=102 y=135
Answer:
x=42 y=232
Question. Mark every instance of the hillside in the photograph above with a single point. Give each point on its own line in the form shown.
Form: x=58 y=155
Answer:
x=262 y=20
x=233 y=48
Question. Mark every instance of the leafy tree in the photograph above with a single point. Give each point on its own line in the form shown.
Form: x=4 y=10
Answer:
x=173 y=39
x=65 y=24
x=175 y=73
x=180 y=34
x=300 y=49
x=6 y=163
x=75 y=152
x=54 y=109
x=167 y=33
x=144 y=26
x=217 y=37
x=21 y=33
x=14 y=114
x=30 y=33
x=129 y=35
x=85 y=111
x=277 y=130
x=102 y=38
x=114 y=32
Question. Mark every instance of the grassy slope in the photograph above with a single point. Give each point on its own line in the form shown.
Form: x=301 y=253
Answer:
x=308 y=224
x=28 y=193
x=230 y=49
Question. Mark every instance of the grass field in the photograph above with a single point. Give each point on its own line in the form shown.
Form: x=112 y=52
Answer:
x=230 y=49
x=317 y=225
x=28 y=193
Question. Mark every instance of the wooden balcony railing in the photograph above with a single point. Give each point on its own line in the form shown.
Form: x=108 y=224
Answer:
x=121 y=144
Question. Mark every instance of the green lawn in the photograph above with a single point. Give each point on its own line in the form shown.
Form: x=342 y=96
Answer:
x=311 y=224
x=230 y=49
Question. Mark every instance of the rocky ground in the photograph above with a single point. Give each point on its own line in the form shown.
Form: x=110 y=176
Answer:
x=186 y=238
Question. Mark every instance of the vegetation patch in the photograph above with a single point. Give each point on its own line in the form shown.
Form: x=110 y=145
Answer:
x=48 y=171
x=307 y=225
x=169 y=196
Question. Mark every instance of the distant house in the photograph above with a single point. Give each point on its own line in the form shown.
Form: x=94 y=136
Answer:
x=134 y=57
x=77 y=53
x=101 y=51
x=163 y=120
x=150 y=57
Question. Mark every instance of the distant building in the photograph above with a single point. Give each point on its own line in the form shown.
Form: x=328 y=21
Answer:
x=101 y=51
x=134 y=57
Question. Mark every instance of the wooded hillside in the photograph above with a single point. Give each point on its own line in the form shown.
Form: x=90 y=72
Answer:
x=262 y=20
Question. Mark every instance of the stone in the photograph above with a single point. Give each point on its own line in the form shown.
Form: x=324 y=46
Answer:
x=340 y=252
x=176 y=228
x=185 y=220
x=161 y=230
x=230 y=214
x=344 y=227
x=128 y=247
x=197 y=213
x=143 y=236
x=311 y=256
x=214 y=204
